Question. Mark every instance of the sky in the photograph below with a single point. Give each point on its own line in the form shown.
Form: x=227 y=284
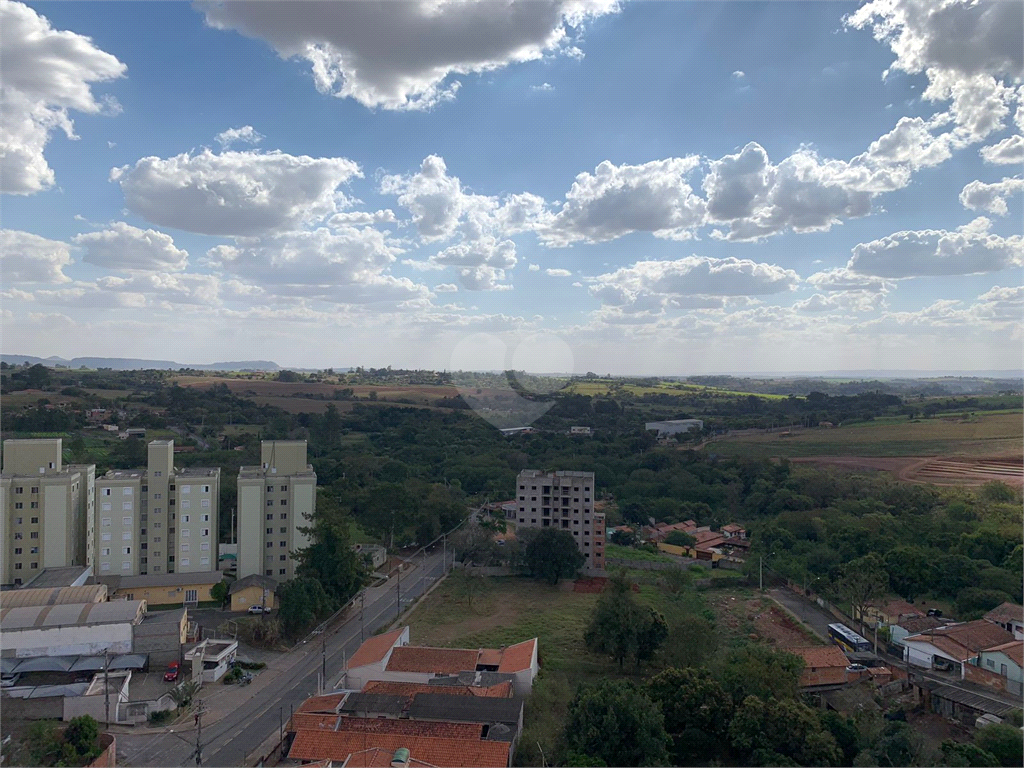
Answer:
x=656 y=188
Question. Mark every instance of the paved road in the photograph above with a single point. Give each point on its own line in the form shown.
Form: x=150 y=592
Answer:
x=230 y=740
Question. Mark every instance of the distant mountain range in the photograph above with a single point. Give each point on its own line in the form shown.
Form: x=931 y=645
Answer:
x=134 y=364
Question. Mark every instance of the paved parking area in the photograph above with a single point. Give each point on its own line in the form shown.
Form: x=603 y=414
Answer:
x=147 y=686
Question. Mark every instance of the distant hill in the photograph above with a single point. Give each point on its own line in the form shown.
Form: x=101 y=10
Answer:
x=134 y=364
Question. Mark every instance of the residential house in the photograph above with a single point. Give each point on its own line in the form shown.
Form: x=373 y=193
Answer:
x=164 y=588
x=824 y=667
x=952 y=646
x=1007 y=661
x=389 y=657
x=1010 y=617
x=913 y=625
x=375 y=555
x=888 y=613
x=733 y=531
x=254 y=589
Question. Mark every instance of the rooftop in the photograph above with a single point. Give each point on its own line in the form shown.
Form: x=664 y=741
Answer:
x=53 y=596
x=920 y=623
x=59 y=577
x=253 y=580
x=823 y=665
x=1013 y=649
x=327 y=703
x=1006 y=613
x=375 y=649
x=439 y=706
x=197 y=471
x=71 y=614
x=438 y=751
x=117 y=581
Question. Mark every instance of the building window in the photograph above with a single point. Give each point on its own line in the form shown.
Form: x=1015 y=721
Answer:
x=104 y=537
x=170 y=558
x=184 y=562
x=284 y=530
x=204 y=532
x=270 y=516
x=35 y=521
x=156 y=569
x=270 y=502
x=126 y=521
x=270 y=544
x=33 y=505
x=18 y=505
x=106 y=491
x=206 y=489
x=184 y=547
x=145 y=546
x=158 y=524
x=284 y=488
x=35 y=489
x=205 y=546
x=17 y=566
x=105 y=521
x=270 y=531
x=284 y=502
x=126 y=551
x=282 y=558
x=19 y=489
x=205 y=518
x=157 y=510
x=284 y=515
x=34 y=551
x=186 y=489
x=17 y=550
x=185 y=533
x=204 y=561
x=270 y=489
x=158 y=473
x=34 y=535
x=126 y=506
x=284 y=543
x=105 y=552
x=145 y=488
x=103 y=566
x=157 y=539
x=126 y=565
x=185 y=518
x=186 y=504
x=17 y=520
x=270 y=571
x=126 y=536
x=34 y=565
x=126 y=491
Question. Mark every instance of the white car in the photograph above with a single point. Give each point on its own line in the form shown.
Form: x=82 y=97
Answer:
x=258 y=609
x=9 y=680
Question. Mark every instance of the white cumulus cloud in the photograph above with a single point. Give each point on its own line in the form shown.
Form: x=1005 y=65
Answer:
x=558 y=272
x=977 y=195
x=244 y=135
x=1009 y=151
x=46 y=73
x=29 y=258
x=936 y=252
x=123 y=247
x=404 y=55
x=235 y=193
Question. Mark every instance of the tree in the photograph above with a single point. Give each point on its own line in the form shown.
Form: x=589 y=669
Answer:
x=761 y=729
x=219 y=592
x=1004 y=742
x=973 y=603
x=680 y=539
x=552 y=555
x=861 y=582
x=303 y=602
x=910 y=571
x=621 y=628
x=697 y=712
x=83 y=735
x=329 y=559
x=961 y=755
x=757 y=670
x=37 y=377
x=614 y=721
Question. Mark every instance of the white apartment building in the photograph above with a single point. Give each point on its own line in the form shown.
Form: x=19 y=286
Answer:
x=275 y=499
x=563 y=500
x=157 y=520
x=45 y=510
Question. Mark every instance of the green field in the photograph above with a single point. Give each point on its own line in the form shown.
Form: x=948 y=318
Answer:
x=983 y=435
x=599 y=388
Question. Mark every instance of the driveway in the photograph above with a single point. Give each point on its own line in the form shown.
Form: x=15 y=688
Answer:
x=811 y=614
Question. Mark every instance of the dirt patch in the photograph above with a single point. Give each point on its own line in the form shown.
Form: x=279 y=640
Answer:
x=935 y=470
x=860 y=463
x=740 y=613
x=775 y=625
x=591 y=586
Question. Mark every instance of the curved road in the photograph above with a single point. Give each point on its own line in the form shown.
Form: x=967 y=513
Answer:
x=230 y=740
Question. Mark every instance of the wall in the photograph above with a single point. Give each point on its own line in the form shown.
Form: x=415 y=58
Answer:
x=250 y=527
x=89 y=640
x=357 y=678
x=161 y=640
x=56 y=515
x=171 y=595
x=44 y=708
x=979 y=676
x=243 y=599
x=108 y=757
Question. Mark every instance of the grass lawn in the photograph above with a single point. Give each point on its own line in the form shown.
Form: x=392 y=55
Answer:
x=507 y=610
x=628 y=553
x=989 y=434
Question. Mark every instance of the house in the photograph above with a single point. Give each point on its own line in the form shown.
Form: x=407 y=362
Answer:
x=888 y=613
x=1010 y=617
x=374 y=554
x=580 y=431
x=952 y=646
x=1006 y=661
x=913 y=625
x=733 y=531
x=959 y=704
x=211 y=659
x=251 y=590
x=163 y=588
x=389 y=657
x=437 y=749
x=824 y=667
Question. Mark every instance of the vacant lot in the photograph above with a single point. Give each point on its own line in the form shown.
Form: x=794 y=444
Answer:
x=988 y=435
x=263 y=388
x=740 y=612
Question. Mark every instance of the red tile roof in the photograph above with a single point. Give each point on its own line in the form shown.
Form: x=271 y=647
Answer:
x=313 y=721
x=963 y=641
x=375 y=758
x=328 y=703
x=441 y=752
x=375 y=649
x=410 y=658
x=441 y=730
x=489 y=656
x=499 y=691
x=518 y=657
x=1006 y=613
x=898 y=608
x=823 y=665
x=1014 y=650
x=409 y=690
x=732 y=528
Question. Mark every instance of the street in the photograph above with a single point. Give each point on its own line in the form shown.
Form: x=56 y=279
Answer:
x=230 y=740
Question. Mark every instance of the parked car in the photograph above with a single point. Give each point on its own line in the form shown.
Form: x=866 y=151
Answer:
x=171 y=675
x=9 y=679
x=258 y=609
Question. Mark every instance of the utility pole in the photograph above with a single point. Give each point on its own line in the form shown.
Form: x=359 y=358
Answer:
x=280 y=724
x=106 y=686
x=760 y=574
x=199 y=734
x=323 y=656
x=362 y=608
x=398 y=607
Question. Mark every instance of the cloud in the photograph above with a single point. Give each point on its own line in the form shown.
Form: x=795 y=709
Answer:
x=739 y=74
x=123 y=247
x=363 y=218
x=343 y=266
x=481 y=263
x=235 y=193
x=558 y=272
x=937 y=252
x=244 y=135
x=542 y=87
x=28 y=258
x=446 y=288
x=403 y=56
x=616 y=200
x=990 y=197
x=855 y=301
x=46 y=73
x=803 y=193
x=842 y=279
x=1009 y=151
x=534 y=267
x=648 y=286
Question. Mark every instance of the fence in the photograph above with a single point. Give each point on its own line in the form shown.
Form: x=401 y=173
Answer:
x=649 y=565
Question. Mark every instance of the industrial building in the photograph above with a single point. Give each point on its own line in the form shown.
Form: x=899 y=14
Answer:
x=46 y=507
x=275 y=500
x=563 y=500
x=674 y=427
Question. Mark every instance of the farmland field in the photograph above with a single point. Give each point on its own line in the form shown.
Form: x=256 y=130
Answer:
x=984 y=435
x=595 y=388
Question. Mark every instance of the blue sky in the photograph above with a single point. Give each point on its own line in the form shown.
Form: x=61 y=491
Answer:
x=635 y=187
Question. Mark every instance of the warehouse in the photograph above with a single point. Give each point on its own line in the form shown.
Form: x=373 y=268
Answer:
x=72 y=629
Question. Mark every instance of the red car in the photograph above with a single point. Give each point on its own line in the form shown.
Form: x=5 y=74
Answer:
x=171 y=675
